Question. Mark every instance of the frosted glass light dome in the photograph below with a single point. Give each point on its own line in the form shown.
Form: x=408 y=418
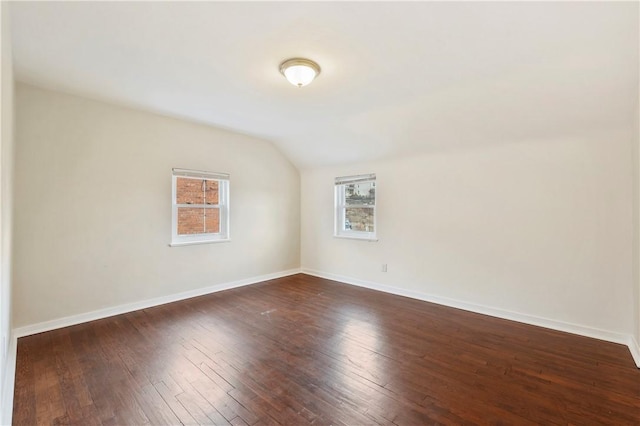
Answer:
x=299 y=71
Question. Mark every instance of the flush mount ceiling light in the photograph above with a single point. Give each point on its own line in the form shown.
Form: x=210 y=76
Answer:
x=299 y=71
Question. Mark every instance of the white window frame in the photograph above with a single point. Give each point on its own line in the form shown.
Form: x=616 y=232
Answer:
x=223 y=206
x=341 y=205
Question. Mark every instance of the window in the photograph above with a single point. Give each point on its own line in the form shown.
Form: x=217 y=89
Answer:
x=200 y=207
x=355 y=201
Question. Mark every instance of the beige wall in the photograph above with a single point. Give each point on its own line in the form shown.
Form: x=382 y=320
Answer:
x=6 y=168
x=541 y=228
x=93 y=206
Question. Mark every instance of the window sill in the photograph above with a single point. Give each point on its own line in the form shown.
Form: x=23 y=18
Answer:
x=191 y=243
x=355 y=237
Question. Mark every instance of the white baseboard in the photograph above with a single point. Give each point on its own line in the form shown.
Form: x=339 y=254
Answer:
x=143 y=304
x=581 y=330
x=634 y=347
x=9 y=381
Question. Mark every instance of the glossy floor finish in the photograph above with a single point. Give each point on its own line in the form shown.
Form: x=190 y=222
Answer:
x=304 y=350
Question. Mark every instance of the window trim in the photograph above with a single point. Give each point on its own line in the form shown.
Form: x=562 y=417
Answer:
x=340 y=206
x=222 y=206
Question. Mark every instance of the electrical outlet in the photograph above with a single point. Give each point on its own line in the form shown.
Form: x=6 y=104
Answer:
x=384 y=267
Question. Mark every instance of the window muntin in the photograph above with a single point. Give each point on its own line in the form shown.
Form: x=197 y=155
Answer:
x=355 y=207
x=200 y=207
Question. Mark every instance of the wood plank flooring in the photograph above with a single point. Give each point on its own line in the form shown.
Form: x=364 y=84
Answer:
x=303 y=350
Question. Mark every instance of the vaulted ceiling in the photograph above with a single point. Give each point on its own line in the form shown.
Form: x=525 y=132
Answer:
x=397 y=78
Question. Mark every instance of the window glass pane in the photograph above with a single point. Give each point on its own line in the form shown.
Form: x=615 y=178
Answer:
x=359 y=219
x=196 y=191
x=211 y=195
x=198 y=221
x=212 y=219
x=189 y=191
x=360 y=193
x=190 y=221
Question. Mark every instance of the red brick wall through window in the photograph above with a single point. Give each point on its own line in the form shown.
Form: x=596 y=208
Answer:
x=197 y=219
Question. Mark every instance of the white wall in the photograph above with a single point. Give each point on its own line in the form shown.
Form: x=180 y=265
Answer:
x=93 y=206
x=541 y=228
x=636 y=222
x=6 y=169
x=636 y=212
x=635 y=160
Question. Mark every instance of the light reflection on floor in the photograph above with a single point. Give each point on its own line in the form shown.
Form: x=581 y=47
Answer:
x=360 y=343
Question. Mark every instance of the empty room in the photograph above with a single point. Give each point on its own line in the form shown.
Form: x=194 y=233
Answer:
x=327 y=213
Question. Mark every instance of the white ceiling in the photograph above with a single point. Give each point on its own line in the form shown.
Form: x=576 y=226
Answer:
x=397 y=78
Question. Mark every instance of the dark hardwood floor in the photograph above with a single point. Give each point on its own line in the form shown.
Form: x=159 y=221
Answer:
x=304 y=350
